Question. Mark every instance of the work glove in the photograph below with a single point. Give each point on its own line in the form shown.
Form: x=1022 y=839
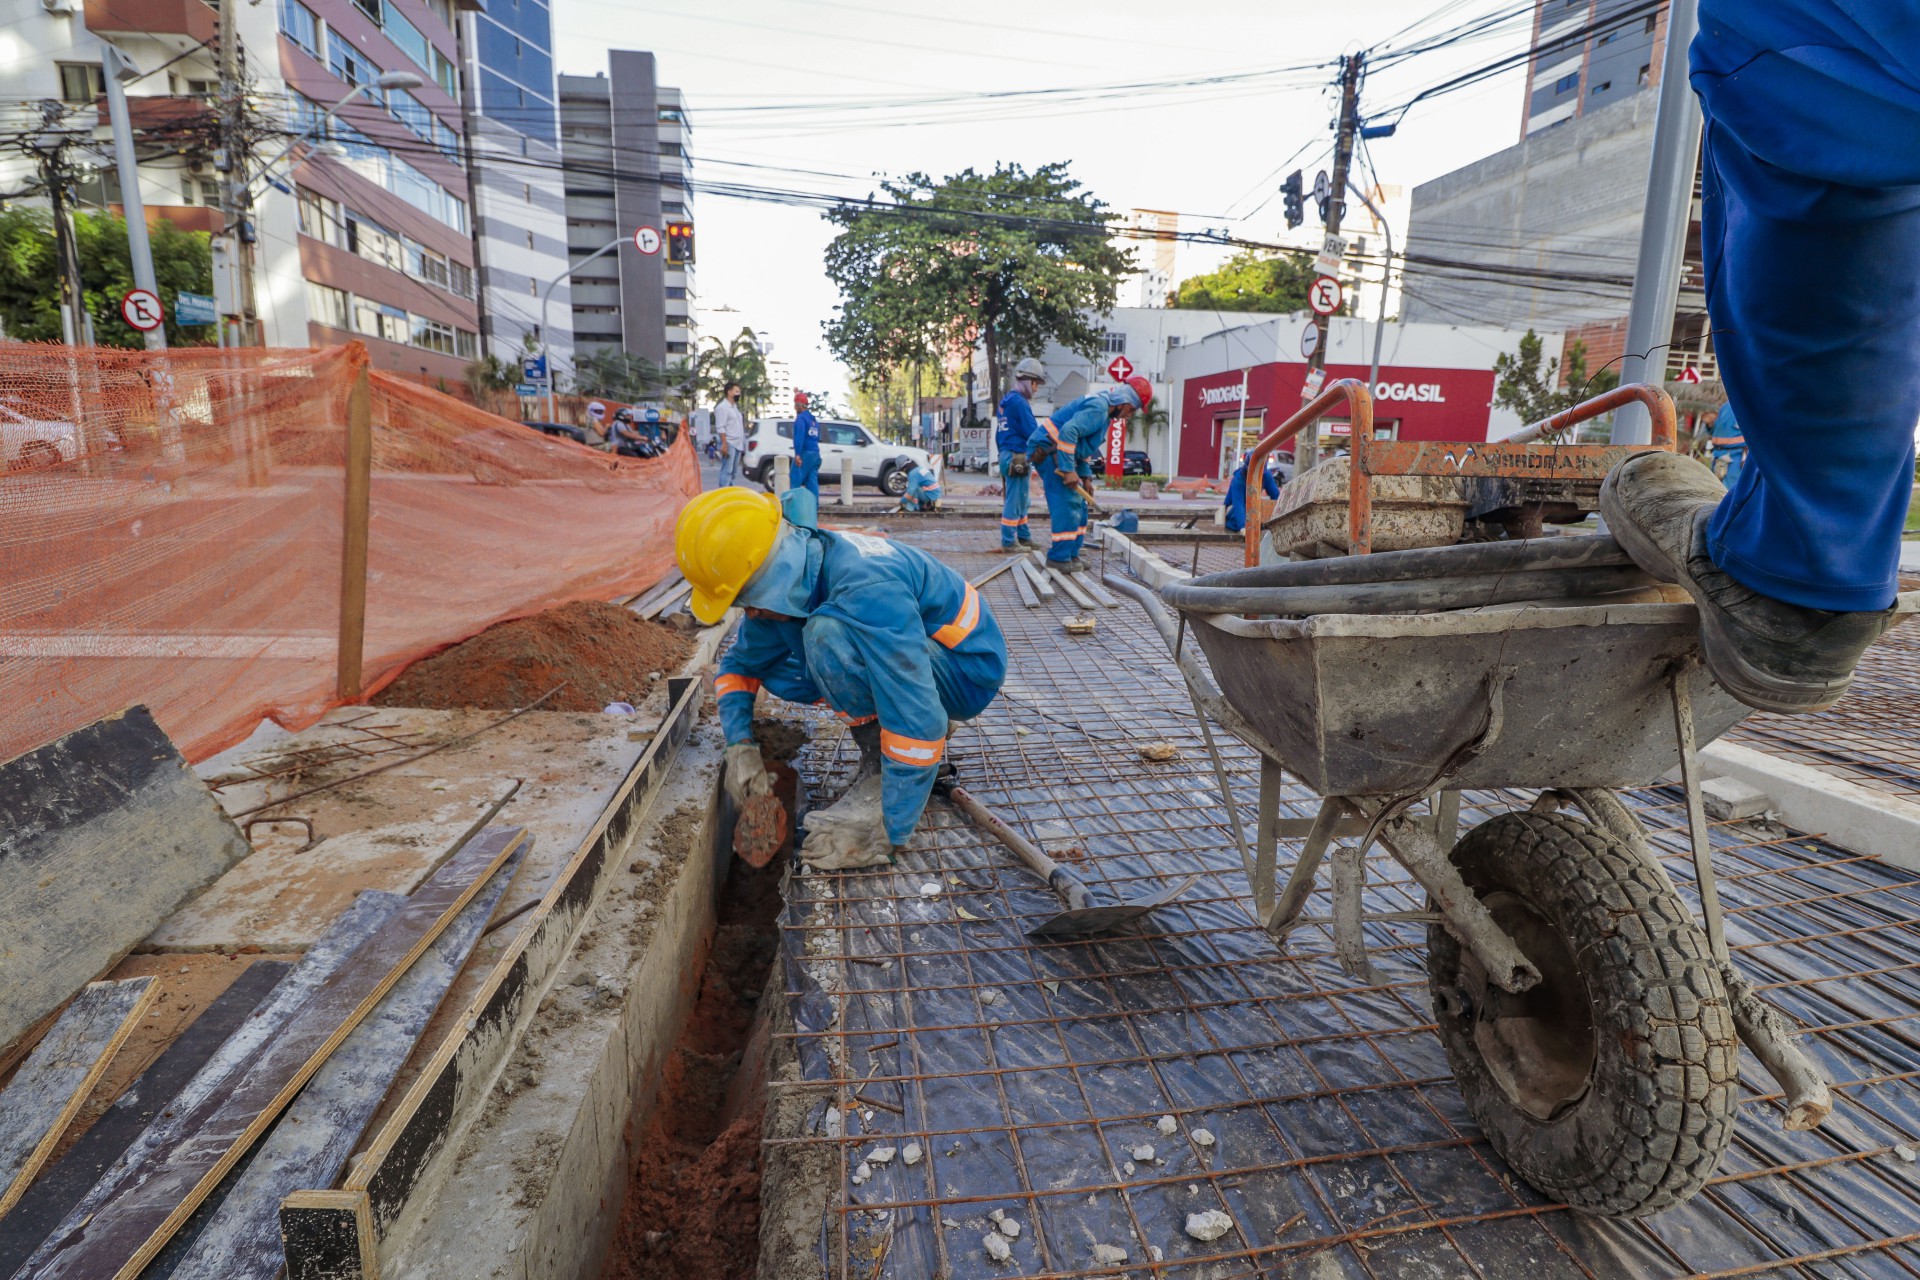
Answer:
x=852 y=832
x=746 y=773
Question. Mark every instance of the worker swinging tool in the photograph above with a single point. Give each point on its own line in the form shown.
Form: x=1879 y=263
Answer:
x=899 y=645
x=1066 y=448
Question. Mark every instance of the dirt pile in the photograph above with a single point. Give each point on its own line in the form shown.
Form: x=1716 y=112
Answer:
x=601 y=652
x=693 y=1208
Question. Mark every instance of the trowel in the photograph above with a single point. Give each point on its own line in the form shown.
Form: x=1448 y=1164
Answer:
x=1082 y=915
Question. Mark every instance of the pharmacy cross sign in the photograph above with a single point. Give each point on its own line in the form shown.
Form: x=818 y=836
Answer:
x=1120 y=370
x=141 y=309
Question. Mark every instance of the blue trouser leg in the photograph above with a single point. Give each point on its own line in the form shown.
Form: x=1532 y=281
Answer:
x=1814 y=293
x=728 y=462
x=836 y=666
x=790 y=682
x=806 y=473
x=1066 y=512
x=1013 y=509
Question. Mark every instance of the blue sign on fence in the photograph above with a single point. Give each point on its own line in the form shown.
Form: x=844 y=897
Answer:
x=533 y=368
x=526 y=389
x=194 y=308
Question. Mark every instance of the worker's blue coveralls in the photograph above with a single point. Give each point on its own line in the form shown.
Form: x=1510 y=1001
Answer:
x=1729 y=447
x=1070 y=442
x=806 y=454
x=922 y=490
x=1810 y=178
x=1017 y=426
x=877 y=630
x=1236 y=499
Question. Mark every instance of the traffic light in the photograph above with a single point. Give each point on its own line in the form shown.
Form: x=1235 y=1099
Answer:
x=680 y=244
x=1296 y=199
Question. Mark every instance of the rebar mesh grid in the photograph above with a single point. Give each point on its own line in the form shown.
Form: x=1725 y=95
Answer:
x=1029 y=1073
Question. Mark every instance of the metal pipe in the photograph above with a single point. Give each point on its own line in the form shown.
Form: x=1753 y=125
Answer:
x=1420 y=596
x=1669 y=211
x=1659 y=406
x=1524 y=555
x=117 y=69
x=546 y=298
x=1386 y=277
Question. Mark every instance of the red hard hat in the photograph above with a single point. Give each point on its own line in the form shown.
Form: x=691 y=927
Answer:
x=800 y=400
x=1142 y=388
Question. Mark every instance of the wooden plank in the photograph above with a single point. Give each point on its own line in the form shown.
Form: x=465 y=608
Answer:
x=103 y=834
x=424 y=1130
x=168 y=1128
x=670 y=601
x=54 y=1194
x=1024 y=585
x=1101 y=596
x=993 y=573
x=152 y=1203
x=1035 y=567
x=41 y=1099
x=240 y=1238
x=354 y=536
x=1072 y=589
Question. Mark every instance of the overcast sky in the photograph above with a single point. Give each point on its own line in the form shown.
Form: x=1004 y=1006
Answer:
x=1213 y=152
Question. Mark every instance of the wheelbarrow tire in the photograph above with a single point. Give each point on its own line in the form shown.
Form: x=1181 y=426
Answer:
x=1646 y=1123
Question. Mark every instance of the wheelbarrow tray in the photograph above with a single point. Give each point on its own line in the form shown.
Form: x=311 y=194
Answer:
x=1377 y=705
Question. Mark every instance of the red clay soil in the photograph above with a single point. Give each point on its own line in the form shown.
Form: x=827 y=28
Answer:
x=693 y=1207
x=601 y=652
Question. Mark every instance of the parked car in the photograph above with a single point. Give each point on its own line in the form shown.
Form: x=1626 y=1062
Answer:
x=1137 y=463
x=875 y=462
x=565 y=430
x=35 y=442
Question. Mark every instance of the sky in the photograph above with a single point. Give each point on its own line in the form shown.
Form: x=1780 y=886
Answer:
x=829 y=96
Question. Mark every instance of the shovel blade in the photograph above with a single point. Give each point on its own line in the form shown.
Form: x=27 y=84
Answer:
x=1103 y=919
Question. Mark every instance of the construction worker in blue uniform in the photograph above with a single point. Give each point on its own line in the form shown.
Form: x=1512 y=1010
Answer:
x=1810 y=234
x=1236 y=499
x=923 y=489
x=1017 y=426
x=1066 y=448
x=806 y=447
x=892 y=640
x=1728 y=445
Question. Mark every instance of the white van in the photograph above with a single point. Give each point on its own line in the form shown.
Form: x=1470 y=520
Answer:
x=874 y=461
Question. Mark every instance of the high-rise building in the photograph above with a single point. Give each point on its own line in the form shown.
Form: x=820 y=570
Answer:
x=626 y=142
x=1588 y=54
x=519 y=195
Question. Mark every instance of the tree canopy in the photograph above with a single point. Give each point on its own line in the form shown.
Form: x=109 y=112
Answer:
x=1013 y=258
x=29 y=275
x=740 y=359
x=1249 y=281
x=1534 y=389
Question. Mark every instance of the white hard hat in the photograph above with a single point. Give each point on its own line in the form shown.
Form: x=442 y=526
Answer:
x=1030 y=368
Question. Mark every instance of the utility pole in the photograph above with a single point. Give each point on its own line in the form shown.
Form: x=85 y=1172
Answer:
x=235 y=201
x=1306 y=447
x=73 y=298
x=1663 y=230
x=119 y=69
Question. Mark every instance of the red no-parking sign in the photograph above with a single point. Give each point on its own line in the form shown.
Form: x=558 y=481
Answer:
x=141 y=309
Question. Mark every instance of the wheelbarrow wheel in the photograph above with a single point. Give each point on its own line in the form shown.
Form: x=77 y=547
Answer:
x=1609 y=1085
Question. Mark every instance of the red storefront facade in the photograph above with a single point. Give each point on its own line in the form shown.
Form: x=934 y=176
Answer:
x=1410 y=403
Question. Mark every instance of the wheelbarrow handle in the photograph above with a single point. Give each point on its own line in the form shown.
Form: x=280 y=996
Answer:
x=1058 y=878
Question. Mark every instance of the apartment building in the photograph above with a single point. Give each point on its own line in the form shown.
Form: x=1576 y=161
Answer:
x=627 y=143
x=1589 y=54
x=514 y=167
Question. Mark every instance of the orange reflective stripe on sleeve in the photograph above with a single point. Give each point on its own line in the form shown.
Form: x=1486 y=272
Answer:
x=963 y=622
x=731 y=683
x=911 y=750
x=853 y=723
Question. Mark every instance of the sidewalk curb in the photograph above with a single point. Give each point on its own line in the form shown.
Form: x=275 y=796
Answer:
x=1855 y=817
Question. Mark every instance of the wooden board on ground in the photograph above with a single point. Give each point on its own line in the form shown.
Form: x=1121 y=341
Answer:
x=157 y=1197
x=1024 y=585
x=67 y=1180
x=1071 y=587
x=660 y=594
x=1101 y=596
x=1042 y=585
x=240 y=1238
x=993 y=573
x=58 y=1075
x=167 y=1128
x=103 y=834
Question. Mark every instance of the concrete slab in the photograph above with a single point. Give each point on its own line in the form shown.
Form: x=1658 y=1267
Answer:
x=1859 y=818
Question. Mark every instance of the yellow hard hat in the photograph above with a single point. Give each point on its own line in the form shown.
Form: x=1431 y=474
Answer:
x=722 y=538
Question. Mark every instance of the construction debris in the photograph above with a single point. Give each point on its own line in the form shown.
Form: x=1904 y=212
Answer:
x=1209 y=1225
x=1159 y=752
x=1080 y=625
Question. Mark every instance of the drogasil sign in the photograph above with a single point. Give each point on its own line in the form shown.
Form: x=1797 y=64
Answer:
x=1422 y=392
x=1230 y=394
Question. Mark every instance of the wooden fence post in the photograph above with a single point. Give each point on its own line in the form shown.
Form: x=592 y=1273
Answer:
x=353 y=539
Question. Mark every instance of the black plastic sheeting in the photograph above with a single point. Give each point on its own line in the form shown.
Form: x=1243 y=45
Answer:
x=1028 y=1073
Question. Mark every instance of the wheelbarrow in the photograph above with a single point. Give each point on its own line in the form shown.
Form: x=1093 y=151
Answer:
x=1592 y=1024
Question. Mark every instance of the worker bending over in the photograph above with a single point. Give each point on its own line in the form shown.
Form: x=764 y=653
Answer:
x=1066 y=448
x=892 y=640
x=806 y=447
x=1017 y=426
x=1236 y=499
x=923 y=489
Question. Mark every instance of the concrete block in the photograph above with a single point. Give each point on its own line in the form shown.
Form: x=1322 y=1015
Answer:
x=1852 y=816
x=1730 y=799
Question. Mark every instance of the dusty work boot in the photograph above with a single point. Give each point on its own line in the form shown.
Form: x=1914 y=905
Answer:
x=867 y=738
x=1767 y=653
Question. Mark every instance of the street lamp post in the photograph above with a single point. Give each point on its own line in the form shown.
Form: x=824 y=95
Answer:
x=546 y=297
x=1386 y=277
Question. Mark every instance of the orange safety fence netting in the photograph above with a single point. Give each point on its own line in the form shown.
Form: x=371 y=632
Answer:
x=171 y=530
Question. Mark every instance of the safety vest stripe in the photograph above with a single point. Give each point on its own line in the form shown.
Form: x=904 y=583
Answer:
x=731 y=683
x=911 y=750
x=1011 y=523
x=1066 y=537
x=853 y=722
x=963 y=622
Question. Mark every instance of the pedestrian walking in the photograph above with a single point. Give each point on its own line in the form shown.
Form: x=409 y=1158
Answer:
x=1017 y=426
x=730 y=425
